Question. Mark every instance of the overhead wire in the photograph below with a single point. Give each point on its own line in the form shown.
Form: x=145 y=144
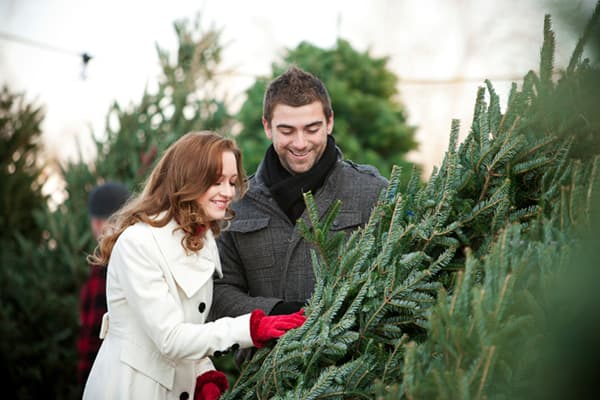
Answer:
x=85 y=57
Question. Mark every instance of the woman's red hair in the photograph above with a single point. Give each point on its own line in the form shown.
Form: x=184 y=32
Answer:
x=186 y=170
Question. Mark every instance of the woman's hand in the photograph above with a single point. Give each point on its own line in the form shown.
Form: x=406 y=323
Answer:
x=264 y=328
x=210 y=385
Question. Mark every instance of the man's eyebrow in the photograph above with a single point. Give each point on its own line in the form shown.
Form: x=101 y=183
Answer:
x=312 y=124
x=284 y=126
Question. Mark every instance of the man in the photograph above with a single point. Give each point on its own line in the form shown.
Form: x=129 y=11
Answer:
x=266 y=263
x=103 y=201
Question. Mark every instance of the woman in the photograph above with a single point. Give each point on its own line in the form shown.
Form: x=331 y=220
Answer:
x=161 y=258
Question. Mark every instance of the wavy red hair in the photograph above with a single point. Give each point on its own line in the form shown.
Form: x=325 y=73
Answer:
x=184 y=172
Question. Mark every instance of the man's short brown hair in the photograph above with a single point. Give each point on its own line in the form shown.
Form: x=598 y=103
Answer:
x=295 y=88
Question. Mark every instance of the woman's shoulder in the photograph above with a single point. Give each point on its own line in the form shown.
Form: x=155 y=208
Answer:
x=137 y=234
x=148 y=234
x=139 y=228
x=132 y=241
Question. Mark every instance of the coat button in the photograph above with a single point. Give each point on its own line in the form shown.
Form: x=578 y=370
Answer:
x=202 y=307
x=184 y=396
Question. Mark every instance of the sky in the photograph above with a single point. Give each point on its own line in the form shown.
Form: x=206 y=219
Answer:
x=430 y=44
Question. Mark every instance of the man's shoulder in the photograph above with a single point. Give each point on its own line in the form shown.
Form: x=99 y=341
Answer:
x=255 y=194
x=364 y=172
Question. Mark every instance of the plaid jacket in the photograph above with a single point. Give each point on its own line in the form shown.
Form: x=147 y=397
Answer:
x=92 y=306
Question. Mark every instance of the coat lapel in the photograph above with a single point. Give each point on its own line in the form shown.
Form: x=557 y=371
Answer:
x=190 y=271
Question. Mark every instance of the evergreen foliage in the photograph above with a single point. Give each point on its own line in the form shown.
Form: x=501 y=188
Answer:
x=185 y=100
x=20 y=168
x=370 y=123
x=442 y=294
x=41 y=275
x=29 y=341
x=36 y=317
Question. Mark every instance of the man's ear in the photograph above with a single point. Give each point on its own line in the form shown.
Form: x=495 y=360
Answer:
x=97 y=225
x=267 y=128
x=330 y=124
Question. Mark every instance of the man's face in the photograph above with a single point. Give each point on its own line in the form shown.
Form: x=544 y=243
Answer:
x=299 y=135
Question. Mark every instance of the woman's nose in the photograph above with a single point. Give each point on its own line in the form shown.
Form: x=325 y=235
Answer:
x=228 y=190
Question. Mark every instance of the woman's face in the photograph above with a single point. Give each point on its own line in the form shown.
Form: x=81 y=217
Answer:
x=218 y=197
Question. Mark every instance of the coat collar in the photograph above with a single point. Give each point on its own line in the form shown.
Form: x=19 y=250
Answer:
x=192 y=270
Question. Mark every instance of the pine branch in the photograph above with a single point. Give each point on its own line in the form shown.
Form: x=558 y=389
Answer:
x=433 y=291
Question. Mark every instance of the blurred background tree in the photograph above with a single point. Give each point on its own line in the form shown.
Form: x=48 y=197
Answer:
x=21 y=199
x=185 y=101
x=370 y=122
x=43 y=252
x=20 y=168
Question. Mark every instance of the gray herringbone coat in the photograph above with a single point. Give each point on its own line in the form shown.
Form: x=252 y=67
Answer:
x=263 y=257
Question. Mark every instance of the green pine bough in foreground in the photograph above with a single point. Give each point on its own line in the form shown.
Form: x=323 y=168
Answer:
x=444 y=293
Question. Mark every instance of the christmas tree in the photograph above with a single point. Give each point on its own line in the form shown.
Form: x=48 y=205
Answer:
x=442 y=294
x=21 y=171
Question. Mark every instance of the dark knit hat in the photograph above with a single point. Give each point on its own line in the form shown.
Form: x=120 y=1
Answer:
x=107 y=198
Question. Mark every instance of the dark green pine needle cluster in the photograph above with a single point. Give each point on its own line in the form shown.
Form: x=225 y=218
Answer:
x=446 y=293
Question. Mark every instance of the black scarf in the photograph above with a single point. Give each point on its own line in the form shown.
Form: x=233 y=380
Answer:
x=287 y=189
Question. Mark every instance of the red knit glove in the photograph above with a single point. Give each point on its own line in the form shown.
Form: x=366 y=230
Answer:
x=210 y=385
x=264 y=328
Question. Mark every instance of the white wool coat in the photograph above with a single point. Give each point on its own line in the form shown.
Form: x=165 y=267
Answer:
x=156 y=341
